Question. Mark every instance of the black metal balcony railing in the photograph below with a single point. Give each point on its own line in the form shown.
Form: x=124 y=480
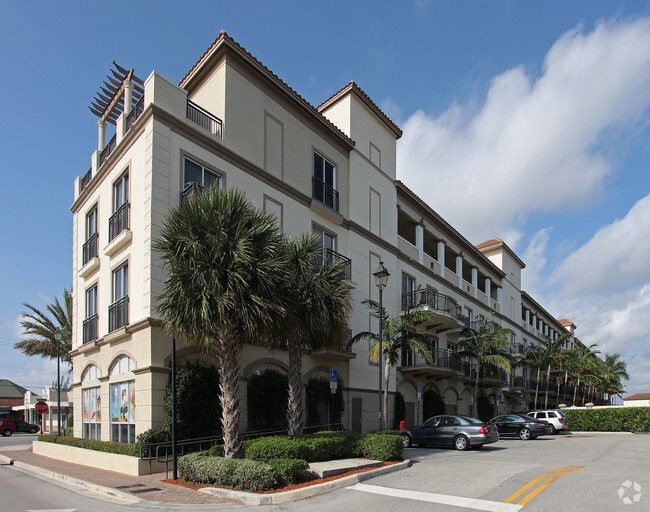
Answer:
x=134 y=114
x=86 y=179
x=325 y=194
x=339 y=258
x=90 y=248
x=520 y=348
x=440 y=358
x=204 y=119
x=477 y=324
x=118 y=314
x=118 y=222
x=90 y=329
x=433 y=300
x=518 y=382
x=108 y=149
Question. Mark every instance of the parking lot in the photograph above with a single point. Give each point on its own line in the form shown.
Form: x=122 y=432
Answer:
x=566 y=472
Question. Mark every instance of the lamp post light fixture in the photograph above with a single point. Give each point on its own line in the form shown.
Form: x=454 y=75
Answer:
x=381 y=279
x=58 y=336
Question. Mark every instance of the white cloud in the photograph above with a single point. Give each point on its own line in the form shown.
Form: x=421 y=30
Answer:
x=535 y=258
x=614 y=259
x=533 y=145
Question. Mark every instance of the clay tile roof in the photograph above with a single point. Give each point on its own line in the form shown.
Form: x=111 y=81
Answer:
x=224 y=37
x=489 y=243
x=638 y=396
x=352 y=86
x=565 y=321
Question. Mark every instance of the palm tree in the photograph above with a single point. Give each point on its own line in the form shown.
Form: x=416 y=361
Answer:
x=614 y=371
x=579 y=363
x=226 y=264
x=39 y=329
x=488 y=347
x=397 y=335
x=554 y=355
x=536 y=360
x=318 y=303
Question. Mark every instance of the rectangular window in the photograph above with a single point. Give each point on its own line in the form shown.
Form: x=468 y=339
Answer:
x=408 y=297
x=196 y=176
x=328 y=242
x=92 y=413
x=324 y=189
x=90 y=246
x=123 y=412
x=119 y=221
x=90 y=323
x=118 y=312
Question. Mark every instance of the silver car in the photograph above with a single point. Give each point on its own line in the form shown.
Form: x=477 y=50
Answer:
x=461 y=432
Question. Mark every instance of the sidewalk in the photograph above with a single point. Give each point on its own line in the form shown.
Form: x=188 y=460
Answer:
x=135 y=488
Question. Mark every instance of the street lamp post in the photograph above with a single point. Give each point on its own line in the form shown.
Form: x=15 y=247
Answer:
x=381 y=279
x=58 y=336
x=174 y=463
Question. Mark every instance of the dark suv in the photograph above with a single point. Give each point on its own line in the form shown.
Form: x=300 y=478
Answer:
x=7 y=427
x=23 y=426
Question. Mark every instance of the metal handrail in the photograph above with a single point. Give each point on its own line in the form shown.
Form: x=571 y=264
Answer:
x=89 y=249
x=433 y=300
x=87 y=178
x=134 y=114
x=90 y=329
x=325 y=193
x=343 y=260
x=204 y=119
x=119 y=221
x=108 y=149
x=118 y=314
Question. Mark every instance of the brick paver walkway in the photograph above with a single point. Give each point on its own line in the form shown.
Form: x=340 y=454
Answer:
x=149 y=487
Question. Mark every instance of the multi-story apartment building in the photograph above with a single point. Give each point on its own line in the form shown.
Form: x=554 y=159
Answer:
x=329 y=170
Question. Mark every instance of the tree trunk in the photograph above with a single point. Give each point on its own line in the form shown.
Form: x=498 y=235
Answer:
x=548 y=379
x=475 y=404
x=228 y=357
x=384 y=417
x=537 y=387
x=575 y=391
x=295 y=411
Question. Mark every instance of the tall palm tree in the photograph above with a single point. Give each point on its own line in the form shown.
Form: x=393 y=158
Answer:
x=554 y=356
x=39 y=328
x=535 y=360
x=317 y=296
x=397 y=335
x=226 y=263
x=615 y=370
x=580 y=363
x=489 y=347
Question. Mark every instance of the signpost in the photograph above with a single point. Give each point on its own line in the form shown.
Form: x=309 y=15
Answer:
x=334 y=380
x=41 y=407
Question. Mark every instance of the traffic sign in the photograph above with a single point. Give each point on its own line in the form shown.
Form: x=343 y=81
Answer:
x=419 y=387
x=334 y=375
x=41 y=407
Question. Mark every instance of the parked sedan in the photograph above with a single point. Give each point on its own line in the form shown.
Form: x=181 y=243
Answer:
x=521 y=425
x=461 y=432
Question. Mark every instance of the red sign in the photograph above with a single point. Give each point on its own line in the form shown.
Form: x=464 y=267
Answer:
x=40 y=407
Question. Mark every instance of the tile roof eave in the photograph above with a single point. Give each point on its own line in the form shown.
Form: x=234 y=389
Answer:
x=363 y=96
x=224 y=40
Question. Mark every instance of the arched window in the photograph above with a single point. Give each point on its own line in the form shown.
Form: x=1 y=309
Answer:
x=91 y=373
x=122 y=364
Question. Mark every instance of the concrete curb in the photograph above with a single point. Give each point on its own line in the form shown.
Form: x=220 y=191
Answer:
x=249 y=498
x=597 y=432
x=76 y=482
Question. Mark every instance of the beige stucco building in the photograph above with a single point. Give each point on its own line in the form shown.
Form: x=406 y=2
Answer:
x=330 y=169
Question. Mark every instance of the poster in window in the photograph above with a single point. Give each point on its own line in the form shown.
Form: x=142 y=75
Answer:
x=86 y=397
x=124 y=402
x=131 y=402
x=115 y=403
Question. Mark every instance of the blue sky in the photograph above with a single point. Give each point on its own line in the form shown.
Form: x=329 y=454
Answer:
x=538 y=106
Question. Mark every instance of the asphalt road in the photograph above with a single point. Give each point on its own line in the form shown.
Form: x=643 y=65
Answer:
x=564 y=473
x=17 y=441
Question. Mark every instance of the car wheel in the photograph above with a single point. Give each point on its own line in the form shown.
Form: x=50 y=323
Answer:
x=461 y=443
x=33 y=430
x=7 y=432
x=524 y=434
x=407 y=441
x=552 y=430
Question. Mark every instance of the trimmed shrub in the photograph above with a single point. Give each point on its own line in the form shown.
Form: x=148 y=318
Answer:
x=380 y=447
x=620 y=419
x=89 y=444
x=217 y=450
x=153 y=435
x=243 y=474
x=288 y=470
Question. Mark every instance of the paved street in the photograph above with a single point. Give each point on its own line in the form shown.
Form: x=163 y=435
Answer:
x=17 y=441
x=561 y=473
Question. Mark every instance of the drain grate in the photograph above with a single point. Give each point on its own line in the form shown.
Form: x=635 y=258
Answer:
x=128 y=486
x=148 y=489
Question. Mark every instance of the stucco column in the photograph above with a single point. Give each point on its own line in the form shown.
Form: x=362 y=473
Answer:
x=419 y=242
x=488 y=289
x=101 y=136
x=527 y=318
x=459 y=270
x=128 y=97
x=441 y=257
x=499 y=291
x=475 y=281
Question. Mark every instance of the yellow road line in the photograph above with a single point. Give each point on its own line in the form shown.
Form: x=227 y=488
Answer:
x=532 y=483
x=544 y=485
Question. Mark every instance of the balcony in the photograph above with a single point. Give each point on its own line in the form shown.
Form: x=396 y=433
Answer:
x=477 y=324
x=443 y=363
x=445 y=312
x=342 y=260
x=518 y=382
x=325 y=194
x=118 y=222
x=204 y=119
x=90 y=249
x=134 y=114
x=86 y=179
x=118 y=314
x=90 y=329
x=112 y=144
x=343 y=353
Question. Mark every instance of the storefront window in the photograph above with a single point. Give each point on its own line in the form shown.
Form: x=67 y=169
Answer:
x=92 y=413
x=123 y=412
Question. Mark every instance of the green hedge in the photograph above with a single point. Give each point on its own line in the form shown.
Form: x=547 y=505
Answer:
x=321 y=447
x=288 y=470
x=243 y=474
x=620 y=419
x=89 y=444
